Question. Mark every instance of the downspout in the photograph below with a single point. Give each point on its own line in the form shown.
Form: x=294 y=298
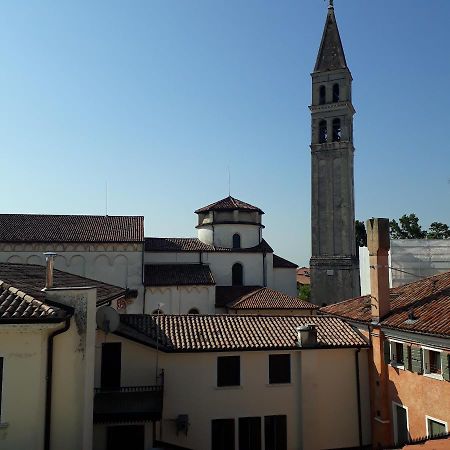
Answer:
x=48 y=388
x=358 y=396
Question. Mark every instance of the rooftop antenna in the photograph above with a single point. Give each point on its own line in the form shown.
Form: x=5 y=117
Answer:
x=229 y=181
x=106 y=198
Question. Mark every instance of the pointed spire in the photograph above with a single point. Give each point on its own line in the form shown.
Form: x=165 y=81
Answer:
x=331 y=53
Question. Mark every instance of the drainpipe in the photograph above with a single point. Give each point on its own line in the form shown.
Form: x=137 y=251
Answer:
x=358 y=396
x=48 y=388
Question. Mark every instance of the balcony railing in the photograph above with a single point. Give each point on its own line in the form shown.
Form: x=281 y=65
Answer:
x=127 y=403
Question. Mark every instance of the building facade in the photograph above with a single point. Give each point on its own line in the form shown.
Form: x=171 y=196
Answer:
x=334 y=262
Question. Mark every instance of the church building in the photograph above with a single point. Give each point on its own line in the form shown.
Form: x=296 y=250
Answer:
x=334 y=262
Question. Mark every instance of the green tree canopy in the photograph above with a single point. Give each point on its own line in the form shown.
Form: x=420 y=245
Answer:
x=360 y=233
x=407 y=227
x=438 y=230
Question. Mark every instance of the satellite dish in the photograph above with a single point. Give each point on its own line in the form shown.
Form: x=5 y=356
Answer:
x=107 y=319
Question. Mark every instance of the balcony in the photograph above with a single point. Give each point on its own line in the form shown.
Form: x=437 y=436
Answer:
x=130 y=403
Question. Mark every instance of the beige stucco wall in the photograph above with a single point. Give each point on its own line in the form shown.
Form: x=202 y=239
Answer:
x=24 y=350
x=320 y=402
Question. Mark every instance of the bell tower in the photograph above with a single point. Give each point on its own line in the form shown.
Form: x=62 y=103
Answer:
x=334 y=263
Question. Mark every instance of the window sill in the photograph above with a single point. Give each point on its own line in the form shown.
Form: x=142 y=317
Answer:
x=397 y=366
x=227 y=388
x=435 y=376
x=4 y=425
x=278 y=384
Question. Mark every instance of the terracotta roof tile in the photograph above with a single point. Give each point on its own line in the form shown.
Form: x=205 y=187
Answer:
x=66 y=228
x=153 y=244
x=30 y=278
x=229 y=204
x=177 y=275
x=266 y=298
x=229 y=294
x=281 y=263
x=303 y=275
x=178 y=333
x=428 y=299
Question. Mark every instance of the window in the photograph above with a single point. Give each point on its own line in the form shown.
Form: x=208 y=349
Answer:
x=193 y=311
x=275 y=432
x=322 y=95
x=336 y=130
x=279 y=369
x=401 y=432
x=335 y=92
x=323 y=132
x=432 y=362
x=237 y=274
x=395 y=353
x=435 y=427
x=250 y=433
x=111 y=365
x=222 y=434
x=228 y=371
x=236 y=240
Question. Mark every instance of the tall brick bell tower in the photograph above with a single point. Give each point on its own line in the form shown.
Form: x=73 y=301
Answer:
x=334 y=263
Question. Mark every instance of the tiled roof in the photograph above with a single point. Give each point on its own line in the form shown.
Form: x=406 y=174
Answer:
x=303 y=275
x=281 y=263
x=177 y=275
x=229 y=204
x=428 y=300
x=229 y=294
x=60 y=228
x=230 y=332
x=30 y=278
x=266 y=298
x=17 y=306
x=153 y=244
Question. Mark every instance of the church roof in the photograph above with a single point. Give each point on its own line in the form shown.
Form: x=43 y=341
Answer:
x=331 y=53
x=229 y=204
x=154 y=244
x=281 y=263
x=178 y=275
x=70 y=228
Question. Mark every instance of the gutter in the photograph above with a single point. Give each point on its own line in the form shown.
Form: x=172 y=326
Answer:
x=358 y=396
x=49 y=378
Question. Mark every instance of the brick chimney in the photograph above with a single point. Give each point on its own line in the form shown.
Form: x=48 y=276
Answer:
x=378 y=244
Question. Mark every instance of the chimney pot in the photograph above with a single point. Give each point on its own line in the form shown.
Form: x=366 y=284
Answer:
x=50 y=260
x=307 y=335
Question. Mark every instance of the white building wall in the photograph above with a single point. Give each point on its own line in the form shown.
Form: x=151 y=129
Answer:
x=180 y=299
x=108 y=263
x=285 y=280
x=223 y=235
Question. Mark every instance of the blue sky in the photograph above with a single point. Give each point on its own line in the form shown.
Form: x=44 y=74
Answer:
x=159 y=98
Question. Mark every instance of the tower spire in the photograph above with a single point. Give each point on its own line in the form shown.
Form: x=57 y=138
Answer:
x=330 y=5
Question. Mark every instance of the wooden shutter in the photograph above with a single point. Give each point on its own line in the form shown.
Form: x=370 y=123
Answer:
x=387 y=351
x=416 y=360
x=407 y=356
x=445 y=358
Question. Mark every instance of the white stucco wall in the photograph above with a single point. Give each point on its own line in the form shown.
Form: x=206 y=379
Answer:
x=320 y=402
x=222 y=234
x=114 y=264
x=285 y=280
x=180 y=299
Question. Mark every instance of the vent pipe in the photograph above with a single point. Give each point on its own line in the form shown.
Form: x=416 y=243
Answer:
x=307 y=335
x=50 y=260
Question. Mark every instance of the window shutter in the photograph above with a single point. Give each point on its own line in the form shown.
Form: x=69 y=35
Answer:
x=445 y=358
x=406 y=357
x=416 y=360
x=387 y=351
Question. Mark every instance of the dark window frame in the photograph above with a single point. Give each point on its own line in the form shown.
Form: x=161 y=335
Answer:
x=237 y=274
x=337 y=130
x=322 y=95
x=236 y=240
x=323 y=132
x=228 y=371
x=249 y=433
x=275 y=432
x=280 y=368
x=218 y=442
x=336 y=92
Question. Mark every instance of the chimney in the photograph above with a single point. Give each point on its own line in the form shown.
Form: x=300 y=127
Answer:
x=378 y=244
x=307 y=335
x=50 y=259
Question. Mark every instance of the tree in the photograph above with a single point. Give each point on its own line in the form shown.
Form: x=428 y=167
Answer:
x=407 y=228
x=304 y=292
x=360 y=233
x=438 y=230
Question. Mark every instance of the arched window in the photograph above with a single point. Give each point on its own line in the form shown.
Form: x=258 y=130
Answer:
x=193 y=311
x=236 y=240
x=322 y=95
x=237 y=274
x=323 y=132
x=158 y=312
x=336 y=130
x=336 y=92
